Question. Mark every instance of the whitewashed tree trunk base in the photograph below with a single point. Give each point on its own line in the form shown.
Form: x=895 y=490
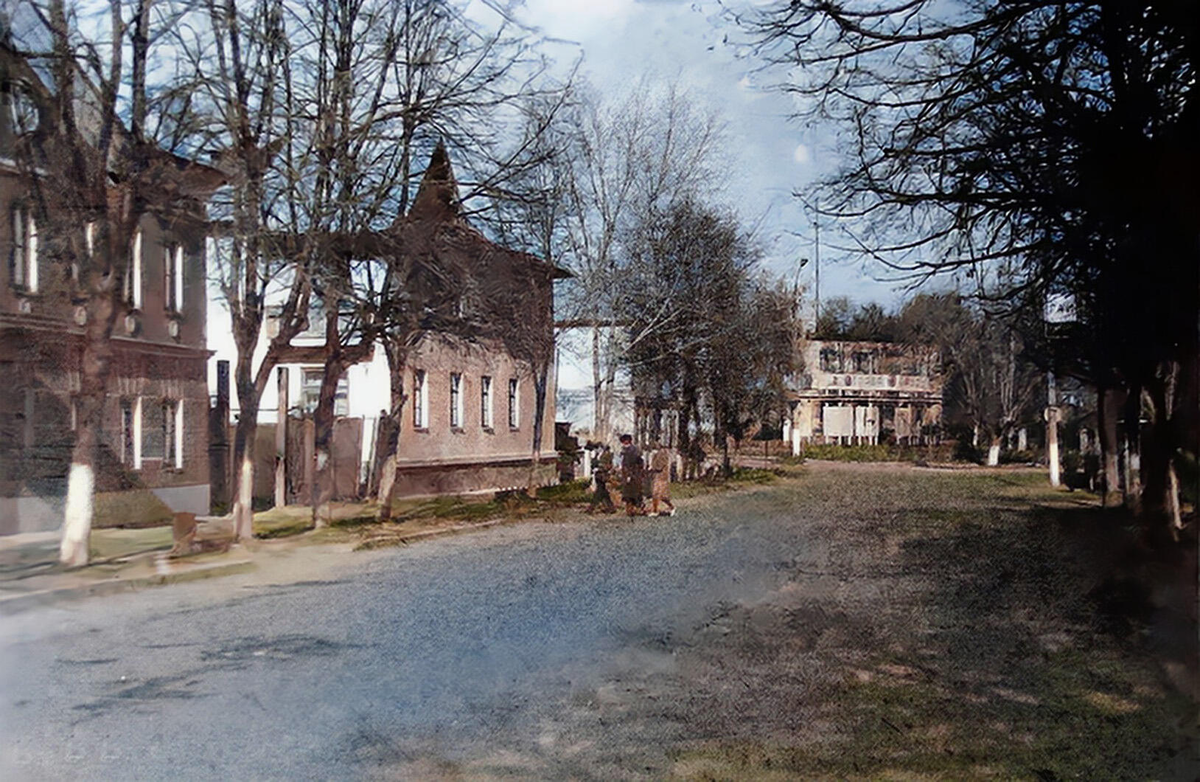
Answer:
x=77 y=517
x=243 y=506
x=993 y=457
x=387 y=479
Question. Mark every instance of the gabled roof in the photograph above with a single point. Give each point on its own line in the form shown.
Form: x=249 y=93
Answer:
x=437 y=210
x=437 y=197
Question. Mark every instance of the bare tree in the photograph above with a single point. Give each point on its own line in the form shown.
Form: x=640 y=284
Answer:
x=246 y=117
x=92 y=159
x=989 y=377
x=703 y=324
x=987 y=133
x=391 y=80
x=630 y=157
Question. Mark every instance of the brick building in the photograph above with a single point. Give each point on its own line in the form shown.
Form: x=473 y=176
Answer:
x=154 y=442
x=467 y=423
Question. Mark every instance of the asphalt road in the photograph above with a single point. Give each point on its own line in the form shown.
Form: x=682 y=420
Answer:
x=373 y=664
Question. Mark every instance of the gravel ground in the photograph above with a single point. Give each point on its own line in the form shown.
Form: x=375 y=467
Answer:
x=842 y=623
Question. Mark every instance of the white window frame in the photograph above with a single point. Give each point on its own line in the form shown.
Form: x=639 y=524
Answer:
x=137 y=433
x=456 y=400
x=420 y=399
x=173 y=277
x=514 y=403
x=89 y=246
x=485 y=401
x=25 y=250
x=133 y=275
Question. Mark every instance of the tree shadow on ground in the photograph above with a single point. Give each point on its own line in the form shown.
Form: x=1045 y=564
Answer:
x=1050 y=644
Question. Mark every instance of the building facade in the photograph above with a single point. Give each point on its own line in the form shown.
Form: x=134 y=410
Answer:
x=467 y=421
x=153 y=454
x=865 y=393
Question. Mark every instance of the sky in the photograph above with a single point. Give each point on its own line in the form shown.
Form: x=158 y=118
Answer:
x=771 y=156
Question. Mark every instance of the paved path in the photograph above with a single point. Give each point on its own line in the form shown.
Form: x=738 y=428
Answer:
x=353 y=670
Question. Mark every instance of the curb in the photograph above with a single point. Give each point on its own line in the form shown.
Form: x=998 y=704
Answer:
x=23 y=602
x=433 y=533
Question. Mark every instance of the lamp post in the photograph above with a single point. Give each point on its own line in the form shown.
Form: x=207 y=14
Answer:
x=817 y=271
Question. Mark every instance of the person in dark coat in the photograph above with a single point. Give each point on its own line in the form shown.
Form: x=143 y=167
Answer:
x=632 y=476
x=603 y=473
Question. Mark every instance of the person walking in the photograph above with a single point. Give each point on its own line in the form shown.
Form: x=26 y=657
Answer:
x=632 y=477
x=603 y=473
x=660 y=491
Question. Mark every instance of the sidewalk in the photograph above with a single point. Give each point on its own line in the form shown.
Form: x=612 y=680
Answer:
x=121 y=559
x=128 y=559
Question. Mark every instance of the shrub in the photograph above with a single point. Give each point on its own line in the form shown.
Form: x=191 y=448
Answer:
x=965 y=452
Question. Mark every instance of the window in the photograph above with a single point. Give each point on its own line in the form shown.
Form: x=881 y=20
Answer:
x=131 y=432
x=172 y=423
x=23 y=263
x=133 y=275
x=89 y=246
x=25 y=115
x=456 y=411
x=831 y=360
x=173 y=277
x=154 y=431
x=485 y=401
x=420 y=400
x=28 y=418
x=310 y=392
x=514 y=404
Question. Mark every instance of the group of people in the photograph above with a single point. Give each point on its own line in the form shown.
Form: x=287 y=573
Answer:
x=634 y=475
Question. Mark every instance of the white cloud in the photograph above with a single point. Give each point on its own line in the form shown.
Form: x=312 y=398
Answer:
x=801 y=154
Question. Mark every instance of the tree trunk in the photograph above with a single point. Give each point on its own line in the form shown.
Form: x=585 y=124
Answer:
x=598 y=416
x=993 y=456
x=1107 y=407
x=322 y=486
x=1131 y=460
x=541 y=379
x=95 y=367
x=386 y=451
x=281 y=428
x=1052 y=446
x=81 y=485
x=243 y=460
x=1160 y=492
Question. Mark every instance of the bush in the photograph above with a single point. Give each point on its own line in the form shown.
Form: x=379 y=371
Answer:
x=965 y=452
x=1027 y=456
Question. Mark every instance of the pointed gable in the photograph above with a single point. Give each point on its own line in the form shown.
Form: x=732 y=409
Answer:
x=437 y=197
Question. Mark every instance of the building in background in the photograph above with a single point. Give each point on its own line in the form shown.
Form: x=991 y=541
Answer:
x=865 y=393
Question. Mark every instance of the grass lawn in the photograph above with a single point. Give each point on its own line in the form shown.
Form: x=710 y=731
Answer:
x=970 y=625
x=359 y=522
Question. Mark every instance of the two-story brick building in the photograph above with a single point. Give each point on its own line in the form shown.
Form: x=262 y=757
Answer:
x=864 y=393
x=154 y=441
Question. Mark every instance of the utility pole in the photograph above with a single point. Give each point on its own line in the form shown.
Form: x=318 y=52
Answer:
x=1052 y=428
x=817 y=269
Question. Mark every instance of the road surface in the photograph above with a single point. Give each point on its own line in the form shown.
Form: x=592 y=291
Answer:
x=405 y=661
